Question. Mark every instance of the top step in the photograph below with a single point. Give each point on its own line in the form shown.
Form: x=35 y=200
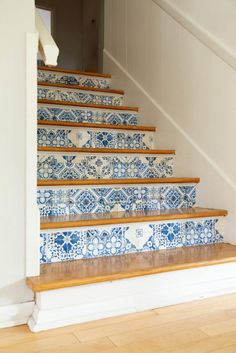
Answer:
x=73 y=77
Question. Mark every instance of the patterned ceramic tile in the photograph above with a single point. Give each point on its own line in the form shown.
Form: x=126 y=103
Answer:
x=202 y=232
x=109 y=240
x=178 y=196
x=86 y=115
x=93 y=138
x=79 y=200
x=75 y=95
x=65 y=78
x=70 y=166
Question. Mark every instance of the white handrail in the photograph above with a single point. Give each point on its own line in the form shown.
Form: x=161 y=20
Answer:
x=47 y=46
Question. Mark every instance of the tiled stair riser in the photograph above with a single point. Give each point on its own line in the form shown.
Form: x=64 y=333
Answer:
x=82 y=243
x=56 y=201
x=93 y=138
x=76 y=79
x=86 y=115
x=79 y=96
x=91 y=166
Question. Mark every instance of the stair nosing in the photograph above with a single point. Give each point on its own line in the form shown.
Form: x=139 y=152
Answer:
x=92 y=106
x=75 y=72
x=96 y=125
x=127 y=217
x=81 y=88
x=73 y=182
x=105 y=150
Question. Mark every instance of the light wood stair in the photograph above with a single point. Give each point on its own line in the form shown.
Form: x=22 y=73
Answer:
x=96 y=219
x=82 y=272
x=96 y=125
x=104 y=151
x=94 y=106
x=76 y=72
x=71 y=182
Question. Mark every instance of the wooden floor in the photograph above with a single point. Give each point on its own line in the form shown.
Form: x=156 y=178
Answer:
x=198 y=327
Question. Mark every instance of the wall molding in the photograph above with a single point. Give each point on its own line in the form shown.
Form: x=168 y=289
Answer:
x=201 y=33
x=164 y=114
x=15 y=314
x=68 y=306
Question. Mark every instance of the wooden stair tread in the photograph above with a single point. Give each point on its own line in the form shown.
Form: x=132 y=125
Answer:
x=82 y=88
x=95 y=219
x=103 y=150
x=96 y=125
x=82 y=272
x=83 y=105
x=71 y=182
x=76 y=72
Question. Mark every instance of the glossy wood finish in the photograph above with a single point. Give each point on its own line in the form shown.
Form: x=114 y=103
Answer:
x=76 y=72
x=104 y=150
x=173 y=329
x=81 y=272
x=97 y=125
x=95 y=219
x=48 y=182
x=82 y=88
x=82 y=105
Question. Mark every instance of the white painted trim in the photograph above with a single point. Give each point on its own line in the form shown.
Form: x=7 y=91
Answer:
x=75 y=305
x=163 y=113
x=207 y=38
x=32 y=212
x=47 y=46
x=15 y=314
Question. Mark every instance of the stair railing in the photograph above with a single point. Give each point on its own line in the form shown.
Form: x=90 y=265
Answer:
x=47 y=46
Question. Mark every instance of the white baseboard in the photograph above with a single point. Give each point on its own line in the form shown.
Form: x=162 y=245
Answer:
x=15 y=314
x=57 y=308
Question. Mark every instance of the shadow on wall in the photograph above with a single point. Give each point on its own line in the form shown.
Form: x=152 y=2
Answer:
x=77 y=28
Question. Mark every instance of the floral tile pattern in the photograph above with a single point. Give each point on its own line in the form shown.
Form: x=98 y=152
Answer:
x=78 y=96
x=95 y=242
x=70 y=166
x=76 y=79
x=86 y=115
x=80 y=200
x=93 y=138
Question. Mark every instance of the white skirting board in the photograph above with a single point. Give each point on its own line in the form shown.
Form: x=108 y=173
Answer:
x=61 y=307
x=15 y=314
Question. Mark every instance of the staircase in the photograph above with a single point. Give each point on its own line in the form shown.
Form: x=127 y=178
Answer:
x=110 y=206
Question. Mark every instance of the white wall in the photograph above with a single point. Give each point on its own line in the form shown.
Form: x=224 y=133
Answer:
x=183 y=88
x=16 y=19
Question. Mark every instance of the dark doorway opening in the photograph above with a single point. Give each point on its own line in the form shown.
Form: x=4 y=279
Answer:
x=77 y=28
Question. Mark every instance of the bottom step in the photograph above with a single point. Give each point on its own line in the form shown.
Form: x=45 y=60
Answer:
x=81 y=272
x=187 y=274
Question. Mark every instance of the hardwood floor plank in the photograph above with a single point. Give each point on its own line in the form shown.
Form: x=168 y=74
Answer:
x=182 y=328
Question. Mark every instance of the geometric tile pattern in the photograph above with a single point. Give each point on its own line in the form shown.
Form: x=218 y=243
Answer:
x=76 y=79
x=90 y=166
x=91 y=242
x=93 y=138
x=79 y=200
x=86 y=115
x=78 y=96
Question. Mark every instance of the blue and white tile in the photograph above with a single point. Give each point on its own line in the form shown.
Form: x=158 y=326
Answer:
x=86 y=115
x=73 y=79
x=90 y=166
x=178 y=196
x=53 y=202
x=201 y=232
x=93 y=138
x=79 y=96
x=99 y=199
x=85 y=243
